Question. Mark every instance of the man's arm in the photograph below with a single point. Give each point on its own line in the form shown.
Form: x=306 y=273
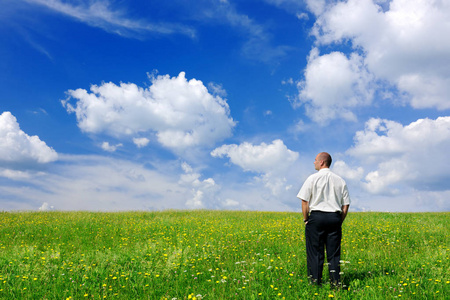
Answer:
x=344 y=211
x=305 y=210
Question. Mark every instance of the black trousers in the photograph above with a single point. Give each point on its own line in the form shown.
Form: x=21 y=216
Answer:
x=324 y=230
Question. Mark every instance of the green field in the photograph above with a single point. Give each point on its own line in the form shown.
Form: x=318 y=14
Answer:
x=216 y=255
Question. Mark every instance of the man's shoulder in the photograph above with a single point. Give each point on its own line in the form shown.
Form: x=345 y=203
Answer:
x=337 y=177
x=313 y=175
x=326 y=172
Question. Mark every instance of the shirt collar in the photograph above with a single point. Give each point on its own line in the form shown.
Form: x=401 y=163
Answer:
x=324 y=170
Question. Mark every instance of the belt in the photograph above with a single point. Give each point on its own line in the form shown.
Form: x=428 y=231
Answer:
x=326 y=212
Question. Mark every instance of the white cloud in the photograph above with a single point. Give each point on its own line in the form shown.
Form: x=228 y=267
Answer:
x=110 y=148
x=19 y=148
x=263 y=158
x=217 y=89
x=288 y=81
x=102 y=14
x=274 y=183
x=46 y=207
x=181 y=113
x=403 y=43
x=317 y=7
x=342 y=169
x=141 y=142
x=397 y=156
x=230 y=203
x=201 y=190
x=427 y=90
x=408 y=200
x=333 y=86
x=302 y=16
x=300 y=126
x=78 y=182
x=14 y=174
x=196 y=201
x=272 y=161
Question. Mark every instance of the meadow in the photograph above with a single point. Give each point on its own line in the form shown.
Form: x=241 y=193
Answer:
x=216 y=255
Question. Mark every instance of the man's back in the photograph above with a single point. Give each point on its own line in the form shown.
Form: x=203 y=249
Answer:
x=325 y=191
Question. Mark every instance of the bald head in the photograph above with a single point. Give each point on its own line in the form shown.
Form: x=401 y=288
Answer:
x=323 y=160
x=326 y=158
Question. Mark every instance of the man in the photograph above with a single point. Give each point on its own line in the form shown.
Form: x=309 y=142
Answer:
x=325 y=203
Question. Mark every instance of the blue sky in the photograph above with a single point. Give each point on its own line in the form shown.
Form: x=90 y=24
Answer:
x=152 y=105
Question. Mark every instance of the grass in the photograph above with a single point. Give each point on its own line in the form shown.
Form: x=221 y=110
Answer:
x=216 y=255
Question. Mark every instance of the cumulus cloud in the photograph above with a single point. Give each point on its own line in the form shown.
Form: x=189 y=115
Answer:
x=201 y=190
x=270 y=160
x=46 y=207
x=181 y=113
x=403 y=43
x=263 y=158
x=334 y=84
x=16 y=147
x=341 y=168
x=397 y=156
x=110 y=148
x=141 y=142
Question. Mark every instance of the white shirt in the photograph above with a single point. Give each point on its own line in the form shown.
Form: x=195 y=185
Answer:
x=325 y=191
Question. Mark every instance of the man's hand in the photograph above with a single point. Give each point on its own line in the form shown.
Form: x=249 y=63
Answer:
x=305 y=211
x=344 y=211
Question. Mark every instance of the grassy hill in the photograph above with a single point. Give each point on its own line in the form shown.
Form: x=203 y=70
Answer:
x=216 y=255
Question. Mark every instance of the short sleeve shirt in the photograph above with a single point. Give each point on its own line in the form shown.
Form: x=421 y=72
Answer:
x=325 y=191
